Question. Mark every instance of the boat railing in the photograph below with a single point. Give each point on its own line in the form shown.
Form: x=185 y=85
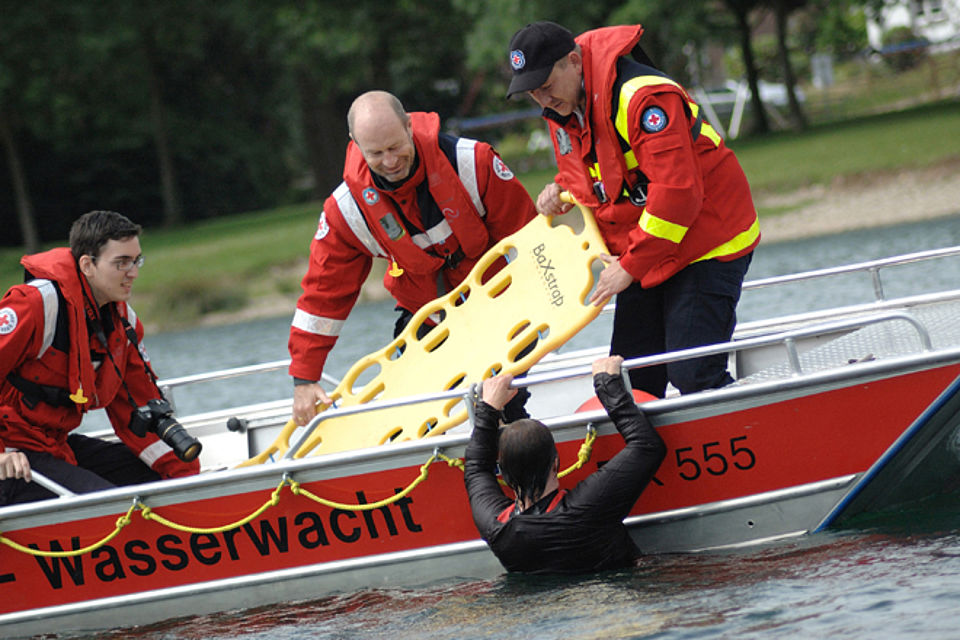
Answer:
x=872 y=267
x=787 y=339
x=168 y=385
x=50 y=485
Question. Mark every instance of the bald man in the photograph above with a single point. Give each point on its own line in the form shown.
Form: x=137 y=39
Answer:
x=430 y=231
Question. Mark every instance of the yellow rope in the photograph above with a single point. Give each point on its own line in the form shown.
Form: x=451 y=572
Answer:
x=586 y=449
x=122 y=521
x=424 y=472
x=149 y=514
x=453 y=462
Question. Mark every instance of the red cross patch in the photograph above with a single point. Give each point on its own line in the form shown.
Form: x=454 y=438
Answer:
x=8 y=321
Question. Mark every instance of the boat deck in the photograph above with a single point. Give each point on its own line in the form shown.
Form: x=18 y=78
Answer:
x=892 y=335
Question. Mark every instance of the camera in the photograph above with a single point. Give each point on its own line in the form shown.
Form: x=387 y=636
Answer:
x=157 y=416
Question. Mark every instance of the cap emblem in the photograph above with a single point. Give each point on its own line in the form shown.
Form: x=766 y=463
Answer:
x=517 y=59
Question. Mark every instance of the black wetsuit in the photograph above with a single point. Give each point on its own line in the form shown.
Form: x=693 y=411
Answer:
x=584 y=530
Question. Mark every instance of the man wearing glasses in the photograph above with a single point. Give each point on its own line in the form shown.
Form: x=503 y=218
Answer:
x=69 y=343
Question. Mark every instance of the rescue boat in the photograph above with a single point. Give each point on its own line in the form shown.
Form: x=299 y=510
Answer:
x=834 y=414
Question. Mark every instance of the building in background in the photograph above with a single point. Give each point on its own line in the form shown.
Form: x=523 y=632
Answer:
x=936 y=21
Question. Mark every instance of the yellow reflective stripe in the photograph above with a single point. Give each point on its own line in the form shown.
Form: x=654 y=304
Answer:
x=631 y=159
x=660 y=228
x=706 y=129
x=739 y=242
x=629 y=88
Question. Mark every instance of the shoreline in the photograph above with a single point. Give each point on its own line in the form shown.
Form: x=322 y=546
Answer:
x=878 y=199
x=874 y=200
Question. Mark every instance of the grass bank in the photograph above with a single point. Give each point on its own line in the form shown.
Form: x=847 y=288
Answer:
x=222 y=266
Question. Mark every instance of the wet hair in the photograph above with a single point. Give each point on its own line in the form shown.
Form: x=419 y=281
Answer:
x=94 y=229
x=527 y=452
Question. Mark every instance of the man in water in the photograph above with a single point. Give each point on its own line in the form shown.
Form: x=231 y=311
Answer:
x=546 y=529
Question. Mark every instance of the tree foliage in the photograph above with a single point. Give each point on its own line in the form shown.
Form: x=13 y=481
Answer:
x=675 y=33
x=178 y=110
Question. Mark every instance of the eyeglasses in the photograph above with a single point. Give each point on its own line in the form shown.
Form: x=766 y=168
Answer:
x=125 y=263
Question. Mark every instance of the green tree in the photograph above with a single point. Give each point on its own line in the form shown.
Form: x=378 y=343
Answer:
x=493 y=23
x=673 y=27
x=782 y=10
x=672 y=31
x=330 y=56
x=834 y=26
x=741 y=11
x=32 y=68
x=181 y=78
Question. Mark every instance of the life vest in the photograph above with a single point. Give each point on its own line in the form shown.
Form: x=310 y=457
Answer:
x=512 y=509
x=372 y=214
x=41 y=379
x=61 y=360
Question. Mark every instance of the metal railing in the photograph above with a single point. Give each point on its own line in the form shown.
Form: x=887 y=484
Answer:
x=872 y=267
x=786 y=338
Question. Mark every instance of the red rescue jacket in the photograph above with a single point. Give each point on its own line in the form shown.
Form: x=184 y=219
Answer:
x=698 y=203
x=481 y=200
x=28 y=328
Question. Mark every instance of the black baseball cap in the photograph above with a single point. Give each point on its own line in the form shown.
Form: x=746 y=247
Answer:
x=533 y=52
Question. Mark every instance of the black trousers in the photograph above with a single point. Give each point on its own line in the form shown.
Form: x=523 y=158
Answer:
x=695 y=307
x=100 y=465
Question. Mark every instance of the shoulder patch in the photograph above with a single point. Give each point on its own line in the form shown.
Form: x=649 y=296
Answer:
x=322 y=227
x=501 y=169
x=653 y=119
x=8 y=321
x=370 y=196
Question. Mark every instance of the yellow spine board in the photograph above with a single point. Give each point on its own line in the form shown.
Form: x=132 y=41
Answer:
x=538 y=298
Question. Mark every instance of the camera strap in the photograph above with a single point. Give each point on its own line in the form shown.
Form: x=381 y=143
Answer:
x=135 y=341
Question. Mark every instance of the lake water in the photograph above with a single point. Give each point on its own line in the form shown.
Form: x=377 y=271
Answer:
x=900 y=579
x=891 y=578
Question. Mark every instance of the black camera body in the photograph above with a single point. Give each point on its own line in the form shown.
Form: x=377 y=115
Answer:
x=157 y=416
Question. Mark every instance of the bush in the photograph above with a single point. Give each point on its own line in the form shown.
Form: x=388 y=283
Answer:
x=182 y=303
x=903 y=49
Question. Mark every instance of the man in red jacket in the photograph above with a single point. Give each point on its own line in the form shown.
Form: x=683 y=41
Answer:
x=69 y=343
x=429 y=203
x=670 y=198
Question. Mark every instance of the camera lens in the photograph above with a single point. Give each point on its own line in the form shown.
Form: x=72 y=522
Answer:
x=185 y=446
